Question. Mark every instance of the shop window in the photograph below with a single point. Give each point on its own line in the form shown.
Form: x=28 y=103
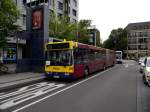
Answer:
x=9 y=54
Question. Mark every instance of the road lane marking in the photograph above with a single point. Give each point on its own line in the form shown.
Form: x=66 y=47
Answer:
x=58 y=92
x=126 y=65
x=25 y=89
x=10 y=102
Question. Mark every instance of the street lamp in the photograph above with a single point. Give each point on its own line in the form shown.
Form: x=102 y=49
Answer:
x=17 y=46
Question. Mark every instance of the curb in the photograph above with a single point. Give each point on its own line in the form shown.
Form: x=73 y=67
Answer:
x=20 y=83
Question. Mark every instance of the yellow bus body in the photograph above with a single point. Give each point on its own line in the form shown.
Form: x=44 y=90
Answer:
x=65 y=69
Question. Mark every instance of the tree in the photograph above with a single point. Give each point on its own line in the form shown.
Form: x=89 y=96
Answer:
x=117 y=40
x=83 y=32
x=8 y=17
x=60 y=28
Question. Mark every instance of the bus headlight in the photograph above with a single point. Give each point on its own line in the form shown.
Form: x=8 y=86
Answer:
x=48 y=62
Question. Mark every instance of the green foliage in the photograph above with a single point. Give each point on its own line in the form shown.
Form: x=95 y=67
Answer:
x=83 y=32
x=59 y=28
x=8 y=16
x=117 y=40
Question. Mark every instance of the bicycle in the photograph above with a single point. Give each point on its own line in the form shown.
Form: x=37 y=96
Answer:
x=3 y=68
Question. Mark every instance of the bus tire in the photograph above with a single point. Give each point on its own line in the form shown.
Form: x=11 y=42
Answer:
x=86 y=72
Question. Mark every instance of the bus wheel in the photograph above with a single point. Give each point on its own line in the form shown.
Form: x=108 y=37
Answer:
x=86 y=72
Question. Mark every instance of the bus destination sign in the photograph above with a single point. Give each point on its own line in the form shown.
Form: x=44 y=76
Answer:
x=58 y=46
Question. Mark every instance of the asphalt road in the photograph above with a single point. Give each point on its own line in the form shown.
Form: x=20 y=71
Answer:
x=118 y=89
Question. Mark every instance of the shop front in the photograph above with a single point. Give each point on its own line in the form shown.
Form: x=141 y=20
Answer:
x=12 y=52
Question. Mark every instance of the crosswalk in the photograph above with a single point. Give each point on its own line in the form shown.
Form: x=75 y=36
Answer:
x=23 y=94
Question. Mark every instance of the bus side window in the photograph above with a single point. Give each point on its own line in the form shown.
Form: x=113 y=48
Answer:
x=77 y=56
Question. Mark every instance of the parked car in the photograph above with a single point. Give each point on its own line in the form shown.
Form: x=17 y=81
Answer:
x=146 y=71
x=142 y=65
x=141 y=60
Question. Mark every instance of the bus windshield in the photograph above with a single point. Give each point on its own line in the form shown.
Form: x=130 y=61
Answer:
x=118 y=54
x=60 y=57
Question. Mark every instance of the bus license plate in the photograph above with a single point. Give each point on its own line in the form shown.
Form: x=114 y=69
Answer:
x=56 y=77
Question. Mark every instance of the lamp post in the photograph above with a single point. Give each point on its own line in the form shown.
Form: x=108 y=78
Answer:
x=17 y=47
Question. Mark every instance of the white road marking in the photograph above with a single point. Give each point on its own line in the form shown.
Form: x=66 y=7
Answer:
x=127 y=64
x=58 y=92
x=25 y=89
x=20 y=96
x=7 y=103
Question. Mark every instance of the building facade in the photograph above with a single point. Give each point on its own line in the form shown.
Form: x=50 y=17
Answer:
x=138 y=39
x=61 y=8
x=16 y=45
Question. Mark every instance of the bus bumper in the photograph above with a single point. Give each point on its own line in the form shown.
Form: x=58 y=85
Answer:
x=60 y=75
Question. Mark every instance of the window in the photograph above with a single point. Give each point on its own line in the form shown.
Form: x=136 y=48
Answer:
x=143 y=47
x=60 y=5
x=145 y=40
x=135 y=28
x=69 y=10
x=140 y=34
x=75 y=2
x=74 y=12
x=145 y=26
x=140 y=40
x=24 y=19
x=145 y=34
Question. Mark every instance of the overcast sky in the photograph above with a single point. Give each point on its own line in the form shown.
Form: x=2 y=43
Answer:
x=112 y=14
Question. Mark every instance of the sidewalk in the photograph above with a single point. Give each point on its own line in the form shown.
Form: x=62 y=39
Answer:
x=10 y=81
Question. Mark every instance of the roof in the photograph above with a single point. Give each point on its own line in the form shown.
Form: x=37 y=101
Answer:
x=138 y=26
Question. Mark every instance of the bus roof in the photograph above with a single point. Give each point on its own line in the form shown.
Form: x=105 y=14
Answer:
x=85 y=46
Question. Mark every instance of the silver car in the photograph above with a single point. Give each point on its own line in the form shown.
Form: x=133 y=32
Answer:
x=141 y=65
x=146 y=71
x=141 y=60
